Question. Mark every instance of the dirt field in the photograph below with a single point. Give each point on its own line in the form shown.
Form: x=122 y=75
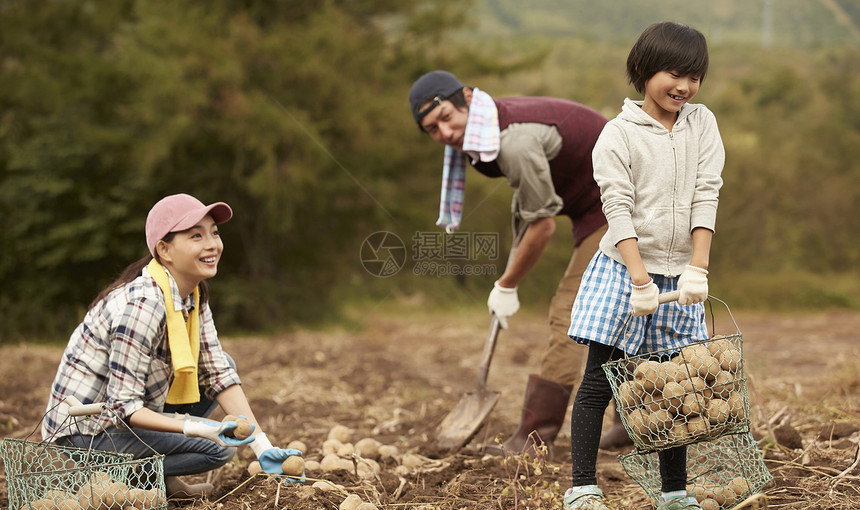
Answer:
x=395 y=377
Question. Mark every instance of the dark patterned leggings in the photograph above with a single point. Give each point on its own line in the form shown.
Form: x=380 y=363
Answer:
x=587 y=420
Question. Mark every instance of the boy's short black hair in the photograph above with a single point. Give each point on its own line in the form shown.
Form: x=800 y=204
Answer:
x=667 y=46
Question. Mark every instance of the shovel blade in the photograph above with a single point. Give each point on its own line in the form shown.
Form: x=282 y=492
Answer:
x=465 y=419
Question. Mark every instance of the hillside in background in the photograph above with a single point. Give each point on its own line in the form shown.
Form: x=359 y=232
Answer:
x=764 y=23
x=297 y=117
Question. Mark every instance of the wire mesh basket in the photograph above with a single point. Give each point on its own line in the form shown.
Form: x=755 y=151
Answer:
x=46 y=476
x=674 y=397
x=721 y=472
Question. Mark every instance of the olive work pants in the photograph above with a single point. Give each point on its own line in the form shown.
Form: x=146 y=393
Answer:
x=564 y=359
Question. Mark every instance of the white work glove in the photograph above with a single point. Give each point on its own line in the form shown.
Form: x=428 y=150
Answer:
x=213 y=431
x=693 y=286
x=643 y=298
x=503 y=302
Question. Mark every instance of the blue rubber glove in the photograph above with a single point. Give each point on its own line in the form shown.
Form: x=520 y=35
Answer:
x=214 y=431
x=271 y=458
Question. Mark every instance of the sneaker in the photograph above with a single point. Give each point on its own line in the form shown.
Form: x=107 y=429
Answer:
x=687 y=503
x=587 y=497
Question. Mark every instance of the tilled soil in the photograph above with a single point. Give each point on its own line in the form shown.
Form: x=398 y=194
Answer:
x=397 y=375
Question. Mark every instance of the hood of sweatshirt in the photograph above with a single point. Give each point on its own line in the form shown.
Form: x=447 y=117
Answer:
x=632 y=111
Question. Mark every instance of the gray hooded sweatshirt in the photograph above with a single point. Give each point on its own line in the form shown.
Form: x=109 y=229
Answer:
x=657 y=186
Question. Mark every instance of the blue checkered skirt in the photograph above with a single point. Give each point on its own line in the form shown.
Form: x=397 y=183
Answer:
x=602 y=312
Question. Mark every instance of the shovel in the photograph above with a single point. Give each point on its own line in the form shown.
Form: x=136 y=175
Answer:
x=469 y=414
x=458 y=427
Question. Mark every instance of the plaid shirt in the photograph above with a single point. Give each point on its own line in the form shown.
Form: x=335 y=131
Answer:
x=119 y=355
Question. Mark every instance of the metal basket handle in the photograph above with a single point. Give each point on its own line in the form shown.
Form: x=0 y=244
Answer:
x=76 y=408
x=666 y=297
x=673 y=295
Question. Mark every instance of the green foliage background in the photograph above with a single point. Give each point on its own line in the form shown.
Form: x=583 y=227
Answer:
x=295 y=113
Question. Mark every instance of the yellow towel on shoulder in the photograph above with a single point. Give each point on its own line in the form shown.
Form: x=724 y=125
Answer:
x=183 y=337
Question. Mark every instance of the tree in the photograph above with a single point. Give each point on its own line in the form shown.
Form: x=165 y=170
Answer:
x=292 y=113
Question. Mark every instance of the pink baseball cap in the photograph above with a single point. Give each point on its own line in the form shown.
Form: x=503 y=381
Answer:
x=176 y=213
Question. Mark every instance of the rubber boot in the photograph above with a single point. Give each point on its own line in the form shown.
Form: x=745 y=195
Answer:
x=616 y=436
x=544 y=411
x=178 y=489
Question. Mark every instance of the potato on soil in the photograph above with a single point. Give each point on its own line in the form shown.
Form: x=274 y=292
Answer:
x=331 y=446
x=298 y=445
x=368 y=447
x=254 y=467
x=366 y=506
x=331 y=462
x=412 y=460
x=326 y=486
x=351 y=502
x=293 y=465
x=388 y=451
x=367 y=468
x=341 y=433
x=346 y=449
